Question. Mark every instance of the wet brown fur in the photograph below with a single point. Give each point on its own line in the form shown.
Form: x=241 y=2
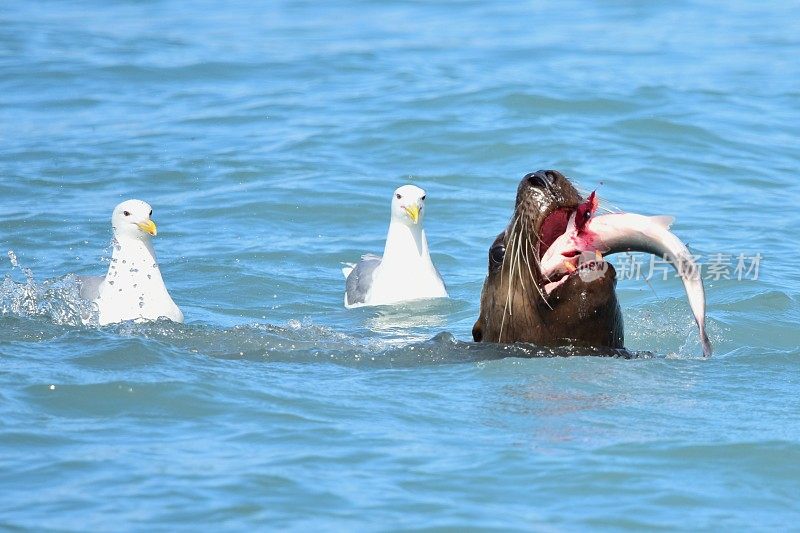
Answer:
x=514 y=306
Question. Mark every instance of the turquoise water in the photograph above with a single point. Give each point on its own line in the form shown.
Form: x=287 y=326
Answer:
x=269 y=137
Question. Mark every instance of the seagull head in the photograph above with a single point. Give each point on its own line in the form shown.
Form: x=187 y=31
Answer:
x=407 y=205
x=131 y=219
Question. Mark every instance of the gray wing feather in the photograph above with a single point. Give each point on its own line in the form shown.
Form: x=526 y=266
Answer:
x=90 y=286
x=360 y=280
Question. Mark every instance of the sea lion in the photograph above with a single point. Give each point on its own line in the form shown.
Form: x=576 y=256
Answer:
x=515 y=307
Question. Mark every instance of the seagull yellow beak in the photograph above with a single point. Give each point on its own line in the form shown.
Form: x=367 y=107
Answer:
x=148 y=227
x=413 y=213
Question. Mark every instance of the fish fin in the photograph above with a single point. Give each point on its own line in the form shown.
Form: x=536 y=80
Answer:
x=664 y=221
x=707 y=349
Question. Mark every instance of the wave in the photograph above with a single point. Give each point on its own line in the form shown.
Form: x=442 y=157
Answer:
x=57 y=302
x=57 y=299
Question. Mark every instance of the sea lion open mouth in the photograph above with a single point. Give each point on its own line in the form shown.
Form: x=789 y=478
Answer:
x=553 y=226
x=519 y=304
x=548 y=281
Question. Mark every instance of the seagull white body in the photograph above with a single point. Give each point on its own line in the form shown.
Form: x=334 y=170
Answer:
x=628 y=232
x=406 y=271
x=133 y=288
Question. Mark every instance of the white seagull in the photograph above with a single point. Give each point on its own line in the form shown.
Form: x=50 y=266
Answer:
x=405 y=272
x=133 y=288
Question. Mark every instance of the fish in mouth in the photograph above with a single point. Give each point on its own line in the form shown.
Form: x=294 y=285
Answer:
x=548 y=282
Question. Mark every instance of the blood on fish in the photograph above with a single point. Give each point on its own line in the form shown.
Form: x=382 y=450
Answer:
x=585 y=211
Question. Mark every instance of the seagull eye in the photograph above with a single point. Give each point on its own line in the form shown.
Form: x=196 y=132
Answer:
x=126 y=213
x=423 y=198
x=151 y=213
x=399 y=196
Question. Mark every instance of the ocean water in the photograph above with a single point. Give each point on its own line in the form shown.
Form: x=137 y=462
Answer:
x=269 y=136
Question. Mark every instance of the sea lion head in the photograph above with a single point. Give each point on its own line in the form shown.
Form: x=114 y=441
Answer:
x=515 y=304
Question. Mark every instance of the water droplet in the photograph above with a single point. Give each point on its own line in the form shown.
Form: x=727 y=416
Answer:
x=111 y=283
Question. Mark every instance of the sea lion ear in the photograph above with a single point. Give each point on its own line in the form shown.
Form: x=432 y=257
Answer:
x=477 y=331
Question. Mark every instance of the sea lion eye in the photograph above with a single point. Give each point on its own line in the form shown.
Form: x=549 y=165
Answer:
x=126 y=213
x=497 y=253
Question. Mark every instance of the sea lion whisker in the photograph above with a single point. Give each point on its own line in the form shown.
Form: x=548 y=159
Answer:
x=509 y=241
x=514 y=269
x=533 y=280
x=518 y=249
x=510 y=233
x=514 y=257
x=507 y=309
x=533 y=247
x=529 y=251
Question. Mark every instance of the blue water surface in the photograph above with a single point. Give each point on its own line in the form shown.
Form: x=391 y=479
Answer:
x=269 y=136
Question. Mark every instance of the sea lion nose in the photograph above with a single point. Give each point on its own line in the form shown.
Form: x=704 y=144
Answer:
x=541 y=178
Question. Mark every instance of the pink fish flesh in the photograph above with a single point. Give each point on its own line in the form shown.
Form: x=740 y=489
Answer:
x=609 y=234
